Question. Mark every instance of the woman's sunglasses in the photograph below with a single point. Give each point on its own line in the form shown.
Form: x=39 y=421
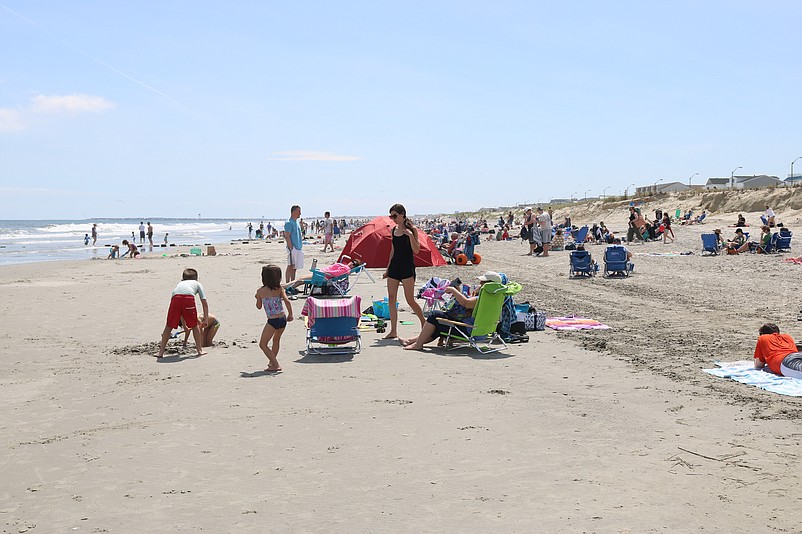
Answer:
x=393 y=215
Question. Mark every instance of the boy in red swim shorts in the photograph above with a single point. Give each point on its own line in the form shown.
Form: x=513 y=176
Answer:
x=182 y=306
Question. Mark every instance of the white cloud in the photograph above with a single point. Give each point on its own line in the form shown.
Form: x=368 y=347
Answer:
x=70 y=104
x=310 y=155
x=10 y=120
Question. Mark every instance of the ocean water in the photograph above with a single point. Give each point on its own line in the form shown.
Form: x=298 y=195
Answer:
x=35 y=241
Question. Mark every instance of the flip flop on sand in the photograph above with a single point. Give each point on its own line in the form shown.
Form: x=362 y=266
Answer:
x=269 y=370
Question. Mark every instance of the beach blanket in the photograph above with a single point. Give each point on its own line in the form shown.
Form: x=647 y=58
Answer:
x=573 y=322
x=745 y=373
x=665 y=254
x=798 y=261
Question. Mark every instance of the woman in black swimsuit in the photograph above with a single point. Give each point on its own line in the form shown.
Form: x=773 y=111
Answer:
x=401 y=268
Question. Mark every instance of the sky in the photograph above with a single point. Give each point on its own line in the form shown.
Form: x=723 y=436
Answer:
x=241 y=109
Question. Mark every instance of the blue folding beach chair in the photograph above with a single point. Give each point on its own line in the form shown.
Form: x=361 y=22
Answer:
x=333 y=325
x=581 y=264
x=581 y=235
x=616 y=262
x=771 y=247
x=784 y=241
x=710 y=245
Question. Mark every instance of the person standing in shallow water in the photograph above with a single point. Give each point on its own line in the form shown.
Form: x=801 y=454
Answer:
x=401 y=267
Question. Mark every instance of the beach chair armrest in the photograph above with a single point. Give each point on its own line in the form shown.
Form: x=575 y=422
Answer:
x=454 y=323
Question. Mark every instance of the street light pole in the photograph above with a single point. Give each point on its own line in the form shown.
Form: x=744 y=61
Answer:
x=586 y=194
x=691 y=178
x=792 y=166
x=732 y=177
x=626 y=191
x=655 y=185
x=604 y=195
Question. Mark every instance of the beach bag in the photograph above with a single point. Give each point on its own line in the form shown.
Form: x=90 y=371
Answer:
x=535 y=320
x=524 y=233
x=518 y=328
x=531 y=318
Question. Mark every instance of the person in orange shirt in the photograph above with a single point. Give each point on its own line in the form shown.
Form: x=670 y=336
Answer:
x=778 y=351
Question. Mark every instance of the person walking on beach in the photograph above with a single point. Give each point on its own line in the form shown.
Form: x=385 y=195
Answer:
x=529 y=224
x=182 y=308
x=294 y=241
x=250 y=230
x=141 y=232
x=544 y=222
x=150 y=234
x=328 y=232
x=272 y=298
x=94 y=234
x=401 y=267
x=667 y=229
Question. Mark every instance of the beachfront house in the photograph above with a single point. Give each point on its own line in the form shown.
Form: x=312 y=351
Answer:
x=717 y=183
x=660 y=188
x=743 y=182
x=761 y=180
x=796 y=179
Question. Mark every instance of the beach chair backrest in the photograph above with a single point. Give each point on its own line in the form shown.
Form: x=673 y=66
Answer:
x=615 y=254
x=580 y=260
x=784 y=241
x=487 y=312
x=335 y=328
x=710 y=242
x=581 y=235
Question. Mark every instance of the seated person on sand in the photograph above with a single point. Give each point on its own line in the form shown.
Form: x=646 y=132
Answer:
x=558 y=242
x=719 y=238
x=332 y=271
x=208 y=330
x=114 y=252
x=459 y=309
x=738 y=243
x=741 y=221
x=765 y=240
x=778 y=351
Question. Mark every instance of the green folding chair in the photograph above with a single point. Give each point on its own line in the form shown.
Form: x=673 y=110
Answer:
x=481 y=334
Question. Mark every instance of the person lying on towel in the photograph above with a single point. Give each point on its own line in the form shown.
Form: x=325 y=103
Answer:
x=332 y=271
x=778 y=351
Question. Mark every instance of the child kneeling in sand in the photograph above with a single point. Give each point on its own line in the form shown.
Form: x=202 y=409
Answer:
x=182 y=307
x=272 y=298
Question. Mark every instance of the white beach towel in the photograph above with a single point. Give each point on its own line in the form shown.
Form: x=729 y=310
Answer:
x=745 y=373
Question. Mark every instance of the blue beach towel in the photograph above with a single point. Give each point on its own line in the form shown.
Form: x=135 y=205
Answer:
x=745 y=373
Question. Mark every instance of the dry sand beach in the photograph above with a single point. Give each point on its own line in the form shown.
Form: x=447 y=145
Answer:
x=604 y=431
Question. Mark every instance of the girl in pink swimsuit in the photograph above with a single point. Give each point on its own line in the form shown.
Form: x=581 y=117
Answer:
x=272 y=298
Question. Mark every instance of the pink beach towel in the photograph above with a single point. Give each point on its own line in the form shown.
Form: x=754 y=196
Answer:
x=344 y=307
x=573 y=322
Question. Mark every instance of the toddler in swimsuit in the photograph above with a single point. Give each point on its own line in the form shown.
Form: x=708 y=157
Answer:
x=272 y=298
